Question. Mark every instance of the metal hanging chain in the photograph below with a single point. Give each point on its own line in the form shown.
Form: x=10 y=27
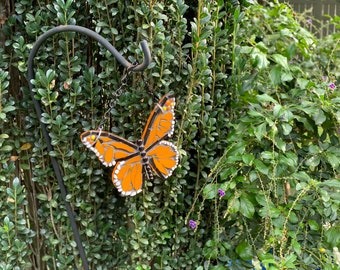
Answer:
x=117 y=94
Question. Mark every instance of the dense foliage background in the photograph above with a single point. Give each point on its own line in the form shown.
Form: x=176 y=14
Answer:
x=257 y=128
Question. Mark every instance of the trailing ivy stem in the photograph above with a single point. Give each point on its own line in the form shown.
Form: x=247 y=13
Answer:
x=284 y=236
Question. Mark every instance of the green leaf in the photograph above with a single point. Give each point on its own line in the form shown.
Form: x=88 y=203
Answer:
x=260 y=130
x=260 y=59
x=313 y=225
x=248 y=159
x=6 y=148
x=89 y=233
x=333 y=236
x=16 y=182
x=324 y=195
x=42 y=92
x=296 y=246
x=10 y=193
x=61 y=17
x=314 y=149
x=269 y=210
x=313 y=161
x=144 y=241
x=244 y=250
x=275 y=75
x=210 y=191
x=286 y=77
x=265 y=98
x=255 y=113
x=293 y=218
x=332 y=183
x=286 y=128
x=4 y=136
x=268 y=260
x=234 y=205
x=205 y=18
x=268 y=155
x=289 y=261
x=260 y=166
x=9 y=108
x=302 y=83
x=281 y=144
x=236 y=14
x=281 y=60
x=319 y=117
x=42 y=197
x=246 y=206
x=333 y=160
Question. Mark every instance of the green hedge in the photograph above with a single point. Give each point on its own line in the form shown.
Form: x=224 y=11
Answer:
x=257 y=128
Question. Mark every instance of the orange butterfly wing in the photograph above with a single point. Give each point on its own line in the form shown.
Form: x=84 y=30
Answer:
x=112 y=150
x=107 y=146
x=163 y=155
x=160 y=124
x=163 y=158
x=127 y=176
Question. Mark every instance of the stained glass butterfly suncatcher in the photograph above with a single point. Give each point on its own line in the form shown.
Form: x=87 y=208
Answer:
x=150 y=154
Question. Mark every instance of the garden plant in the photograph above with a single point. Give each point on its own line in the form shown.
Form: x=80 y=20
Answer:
x=257 y=131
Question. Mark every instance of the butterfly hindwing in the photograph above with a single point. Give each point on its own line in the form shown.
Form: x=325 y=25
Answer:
x=127 y=176
x=107 y=146
x=163 y=158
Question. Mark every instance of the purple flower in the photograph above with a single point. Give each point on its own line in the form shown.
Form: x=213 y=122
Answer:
x=309 y=21
x=192 y=224
x=221 y=192
x=332 y=86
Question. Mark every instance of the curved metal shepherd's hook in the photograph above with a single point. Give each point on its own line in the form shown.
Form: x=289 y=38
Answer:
x=30 y=76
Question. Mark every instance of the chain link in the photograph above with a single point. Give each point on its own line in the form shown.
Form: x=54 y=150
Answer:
x=117 y=94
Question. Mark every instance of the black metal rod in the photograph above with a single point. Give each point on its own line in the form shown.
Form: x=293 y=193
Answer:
x=107 y=45
x=30 y=76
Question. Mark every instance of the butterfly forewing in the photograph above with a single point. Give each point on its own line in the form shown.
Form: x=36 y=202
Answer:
x=108 y=147
x=160 y=124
